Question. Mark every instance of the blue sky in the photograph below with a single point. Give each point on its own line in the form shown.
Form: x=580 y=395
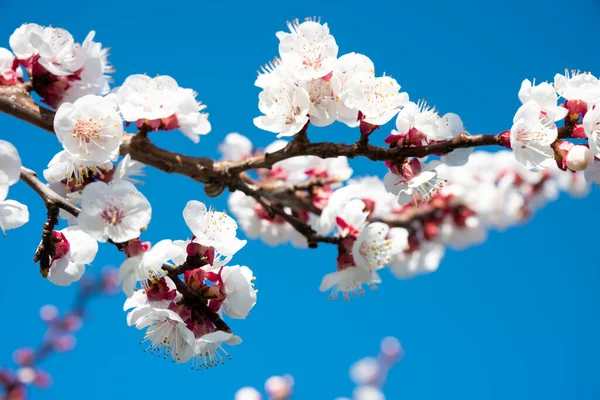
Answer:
x=513 y=318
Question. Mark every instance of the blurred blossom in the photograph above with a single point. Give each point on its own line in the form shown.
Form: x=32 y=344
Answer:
x=391 y=349
x=367 y=393
x=26 y=375
x=43 y=380
x=64 y=343
x=48 y=313
x=365 y=371
x=248 y=393
x=279 y=387
x=23 y=356
x=73 y=323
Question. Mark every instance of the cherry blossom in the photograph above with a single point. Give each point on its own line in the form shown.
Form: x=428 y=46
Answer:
x=285 y=107
x=161 y=104
x=208 y=349
x=576 y=87
x=167 y=333
x=57 y=50
x=420 y=187
x=531 y=135
x=240 y=295
x=309 y=49
x=371 y=250
x=148 y=265
x=212 y=229
x=346 y=67
x=74 y=172
x=349 y=282
x=12 y=213
x=92 y=78
x=235 y=147
x=115 y=211
x=90 y=129
x=378 y=99
x=591 y=125
x=74 y=249
x=545 y=96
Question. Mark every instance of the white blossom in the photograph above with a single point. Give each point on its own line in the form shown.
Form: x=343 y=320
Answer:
x=531 y=135
x=349 y=282
x=12 y=213
x=167 y=333
x=545 y=96
x=419 y=188
x=378 y=99
x=371 y=251
x=346 y=67
x=59 y=54
x=285 y=107
x=65 y=166
x=309 y=49
x=148 y=265
x=591 y=126
x=240 y=295
x=425 y=259
x=90 y=129
x=235 y=147
x=69 y=267
x=115 y=211
x=578 y=86
x=92 y=78
x=212 y=228
x=142 y=98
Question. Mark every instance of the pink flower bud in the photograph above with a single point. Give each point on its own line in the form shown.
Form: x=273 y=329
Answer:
x=61 y=244
x=72 y=323
x=43 y=380
x=505 y=139
x=579 y=158
x=64 y=343
x=135 y=247
x=23 y=356
x=6 y=377
x=48 y=313
x=391 y=349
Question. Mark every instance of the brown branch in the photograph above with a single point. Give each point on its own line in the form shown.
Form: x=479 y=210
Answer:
x=50 y=197
x=16 y=101
x=54 y=202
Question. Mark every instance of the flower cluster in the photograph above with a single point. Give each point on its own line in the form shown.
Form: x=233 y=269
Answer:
x=310 y=83
x=60 y=69
x=174 y=325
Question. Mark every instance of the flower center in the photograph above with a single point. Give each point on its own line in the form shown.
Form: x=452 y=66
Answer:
x=87 y=132
x=112 y=214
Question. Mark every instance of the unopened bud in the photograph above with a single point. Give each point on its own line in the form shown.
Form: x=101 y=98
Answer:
x=579 y=158
x=61 y=244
